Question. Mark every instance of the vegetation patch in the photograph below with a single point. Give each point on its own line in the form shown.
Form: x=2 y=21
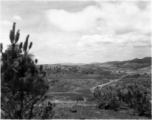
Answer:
x=126 y=94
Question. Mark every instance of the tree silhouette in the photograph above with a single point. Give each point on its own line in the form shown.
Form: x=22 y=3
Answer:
x=23 y=86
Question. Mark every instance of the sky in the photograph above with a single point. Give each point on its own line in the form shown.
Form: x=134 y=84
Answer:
x=80 y=31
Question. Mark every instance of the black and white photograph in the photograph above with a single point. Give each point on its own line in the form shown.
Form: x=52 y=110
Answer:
x=75 y=59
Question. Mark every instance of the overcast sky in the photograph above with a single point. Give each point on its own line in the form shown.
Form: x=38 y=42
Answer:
x=80 y=31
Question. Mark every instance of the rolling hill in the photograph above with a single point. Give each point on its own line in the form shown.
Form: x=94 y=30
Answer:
x=131 y=64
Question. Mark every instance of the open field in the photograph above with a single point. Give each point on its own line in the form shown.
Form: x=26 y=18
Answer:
x=72 y=105
x=72 y=92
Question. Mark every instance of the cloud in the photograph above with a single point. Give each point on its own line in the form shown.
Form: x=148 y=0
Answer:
x=134 y=39
x=114 y=45
x=131 y=39
x=126 y=16
x=121 y=18
x=131 y=26
x=98 y=31
x=95 y=40
x=5 y=22
x=16 y=17
x=78 y=21
x=95 y=45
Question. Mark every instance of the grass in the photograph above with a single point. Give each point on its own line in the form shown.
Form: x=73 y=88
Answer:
x=70 y=83
x=82 y=83
x=91 y=112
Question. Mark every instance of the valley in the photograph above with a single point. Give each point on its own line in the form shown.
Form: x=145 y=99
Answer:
x=72 y=87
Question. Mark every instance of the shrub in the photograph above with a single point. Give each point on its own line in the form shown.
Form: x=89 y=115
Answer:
x=133 y=96
x=139 y=100
x=108 y=100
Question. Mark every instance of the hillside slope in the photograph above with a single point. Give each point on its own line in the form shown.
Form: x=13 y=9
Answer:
x=132 y=64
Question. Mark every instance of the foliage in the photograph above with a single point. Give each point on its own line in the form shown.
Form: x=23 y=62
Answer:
x=108 y=100
x=23 y=84
x=133 y=96
x=138 y=99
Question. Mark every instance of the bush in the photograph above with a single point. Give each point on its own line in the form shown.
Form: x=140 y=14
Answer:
x=132 y=96
x=139 y=100
x=108 y=100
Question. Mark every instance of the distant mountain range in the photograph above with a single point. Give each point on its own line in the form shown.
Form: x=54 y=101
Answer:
x=130 y=64
x=146 y=60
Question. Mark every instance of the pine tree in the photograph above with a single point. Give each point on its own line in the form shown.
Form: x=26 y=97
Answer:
x=23 y=86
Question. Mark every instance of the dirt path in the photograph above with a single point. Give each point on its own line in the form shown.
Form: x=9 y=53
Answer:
x=81 y=103
x=100 y=86
x=84 y=93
